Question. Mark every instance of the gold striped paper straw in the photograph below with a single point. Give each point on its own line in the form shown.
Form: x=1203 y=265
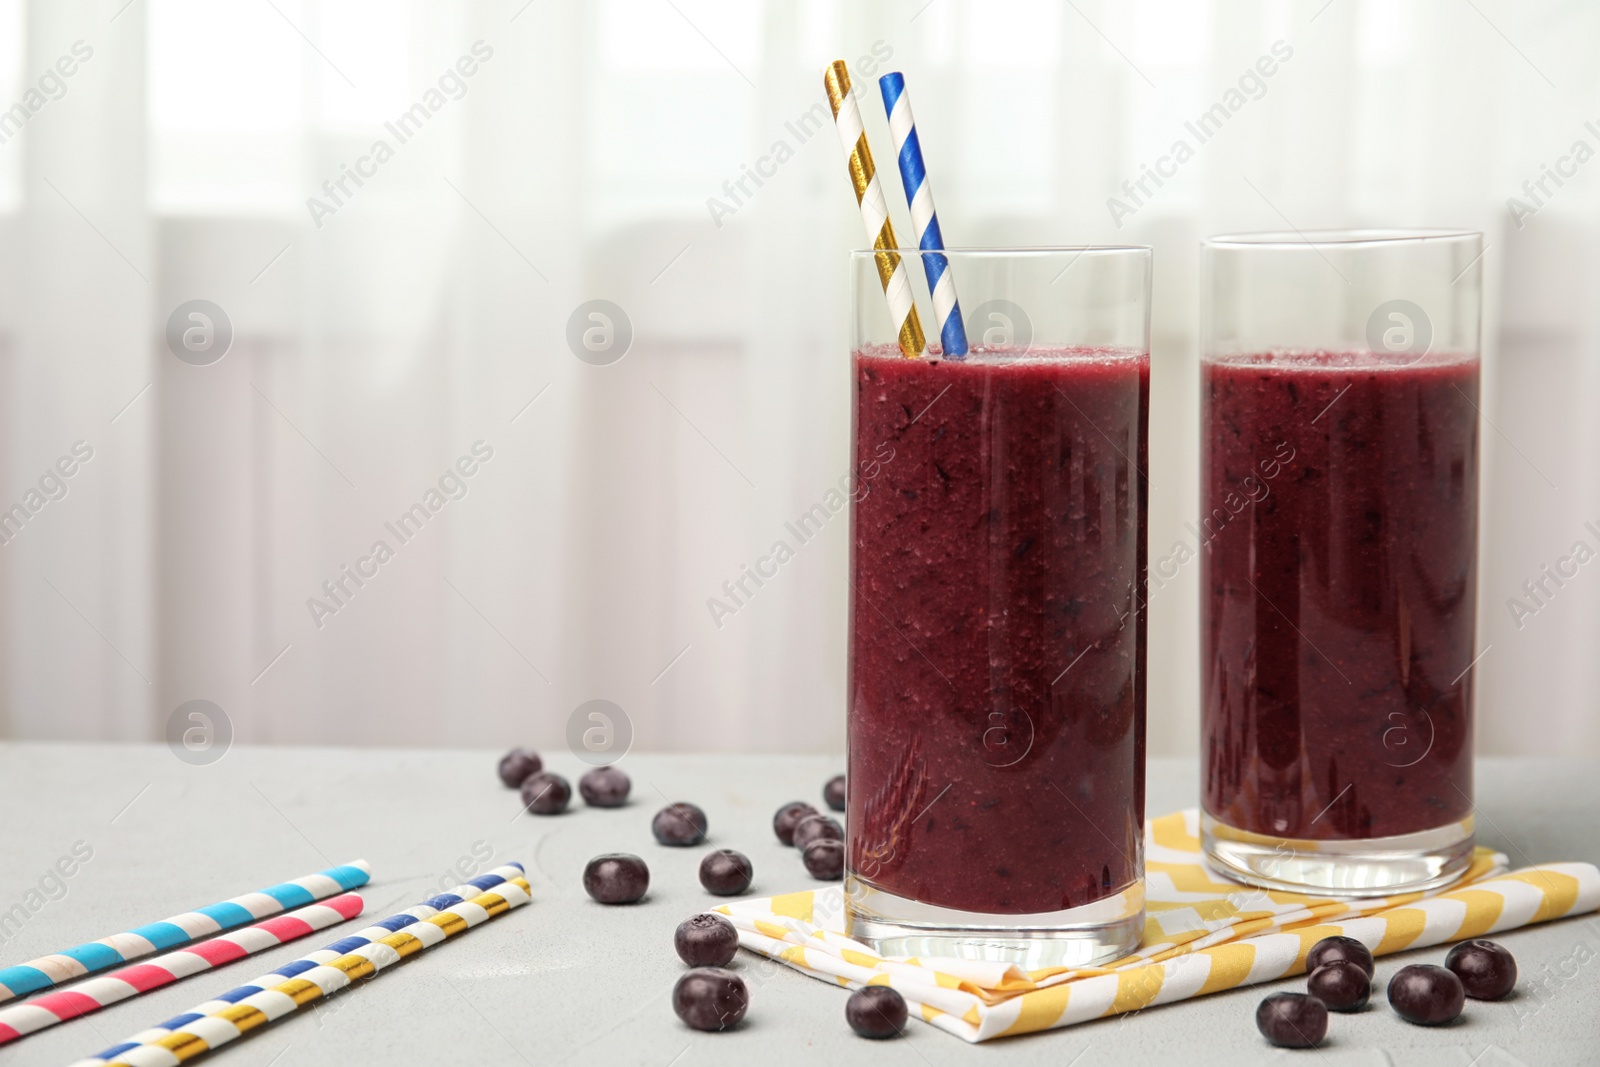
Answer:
x=874 y=209
x=234 y=1021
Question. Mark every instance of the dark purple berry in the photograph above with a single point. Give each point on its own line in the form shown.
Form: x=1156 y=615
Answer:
x=1292 y=1020
x=833 y=792
x=706 y=940
x=605 y=787
x=545 y=793
x=516 y=765
x=710 y=998
x=726 y=873
x=1339 y=948
x=679 y=825
x=1487 y=970
x=616 y=878
x=783 y=823
x=1426 y=995
x=876 y=1011
x=824 y=858
x=1340 y=984
x=815 y=828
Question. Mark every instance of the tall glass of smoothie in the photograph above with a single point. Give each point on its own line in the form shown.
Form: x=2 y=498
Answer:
x=997 y=637
x=1339 y=530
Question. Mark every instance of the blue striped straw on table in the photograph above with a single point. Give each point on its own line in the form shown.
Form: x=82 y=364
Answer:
x=924 y=220
x=92 y=994
x=71 y=963
x=236 y=1002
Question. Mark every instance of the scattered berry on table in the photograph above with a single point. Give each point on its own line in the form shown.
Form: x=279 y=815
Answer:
x=679 y=825
x=710 y=998
x=706 y=940
x=616 y=878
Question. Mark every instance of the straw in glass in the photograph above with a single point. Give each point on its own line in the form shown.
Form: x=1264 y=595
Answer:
x=924 y=220
x=874 y=210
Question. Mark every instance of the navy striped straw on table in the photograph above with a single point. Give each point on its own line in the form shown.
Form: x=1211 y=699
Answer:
x=924 y=220
x=322 y=957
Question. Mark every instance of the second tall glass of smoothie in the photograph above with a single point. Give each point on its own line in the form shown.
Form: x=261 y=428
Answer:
x=997 y=638
x=1339 y=504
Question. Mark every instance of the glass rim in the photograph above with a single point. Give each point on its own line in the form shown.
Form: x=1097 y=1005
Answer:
x=1337 y=238
x=1013 y=251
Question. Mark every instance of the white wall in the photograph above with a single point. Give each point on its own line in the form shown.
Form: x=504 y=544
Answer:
x=425 y=314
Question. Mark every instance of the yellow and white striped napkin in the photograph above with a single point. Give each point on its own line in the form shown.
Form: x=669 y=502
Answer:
x=1202 y=934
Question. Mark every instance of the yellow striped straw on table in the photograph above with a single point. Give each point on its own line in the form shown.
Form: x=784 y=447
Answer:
x=1202 y=935
x=230 y=1022
x=874 y=210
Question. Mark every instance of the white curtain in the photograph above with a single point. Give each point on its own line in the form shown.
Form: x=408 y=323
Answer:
x=663 y=155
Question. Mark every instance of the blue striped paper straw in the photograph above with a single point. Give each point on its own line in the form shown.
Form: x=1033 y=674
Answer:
x=924 y=220
x=71 y=963
x=61 y=1005
x=345 y=945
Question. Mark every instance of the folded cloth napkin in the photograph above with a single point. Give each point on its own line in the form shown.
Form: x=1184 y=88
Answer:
x=1202 y=934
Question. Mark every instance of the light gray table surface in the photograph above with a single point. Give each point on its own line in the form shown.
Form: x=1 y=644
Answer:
x=566 y=980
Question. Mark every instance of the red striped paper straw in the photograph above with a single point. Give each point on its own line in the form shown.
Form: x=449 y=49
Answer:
x=45 y=1011
x=64 y=966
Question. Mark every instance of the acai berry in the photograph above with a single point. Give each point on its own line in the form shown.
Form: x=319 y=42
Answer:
x=783 y=823
x=1340 y=984
x=876 y=1011
x=824 y=858
x=516 y=765
x=1339 y=948
x=815 y=828
x=833 y=792
x=679 y=825
x=726 y=873
x=605 y=787
x=545 y=793
x=1426 y=995
x=706 y=940
x=1487 y=970
x=1292 y=1020
x=710 y=998
x=616 y=878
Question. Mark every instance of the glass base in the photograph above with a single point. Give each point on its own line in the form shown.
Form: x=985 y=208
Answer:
x=1376 y=866
x=1076 y=937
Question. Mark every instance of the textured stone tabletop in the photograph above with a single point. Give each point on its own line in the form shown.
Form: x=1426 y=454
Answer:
x=566 y=980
